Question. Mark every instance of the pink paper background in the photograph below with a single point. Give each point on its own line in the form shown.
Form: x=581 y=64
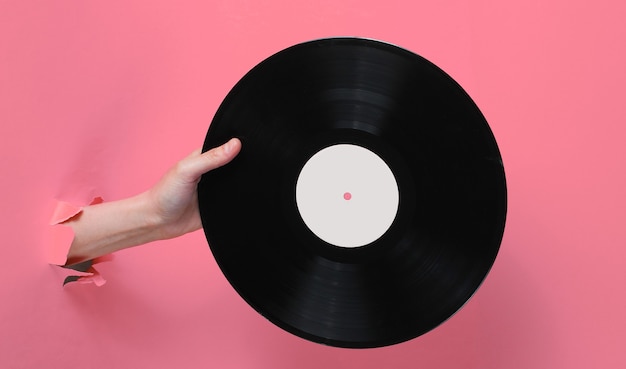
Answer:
x=106 y=95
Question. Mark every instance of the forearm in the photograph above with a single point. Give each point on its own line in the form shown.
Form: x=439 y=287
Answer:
x=108 y=227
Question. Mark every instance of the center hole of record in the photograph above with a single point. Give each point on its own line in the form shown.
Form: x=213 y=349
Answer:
x=352 y=218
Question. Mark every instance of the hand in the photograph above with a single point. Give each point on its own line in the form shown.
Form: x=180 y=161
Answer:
x=175 y=197
x=167 y=210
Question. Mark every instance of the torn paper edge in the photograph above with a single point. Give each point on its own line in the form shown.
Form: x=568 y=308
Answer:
x=61 y=238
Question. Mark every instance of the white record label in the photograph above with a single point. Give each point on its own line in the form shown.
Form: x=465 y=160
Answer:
x=347 y=195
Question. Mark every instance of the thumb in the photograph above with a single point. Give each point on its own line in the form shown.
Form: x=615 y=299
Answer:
x=197 y=164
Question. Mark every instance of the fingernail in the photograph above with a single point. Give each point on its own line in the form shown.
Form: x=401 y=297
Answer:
x=228 y=146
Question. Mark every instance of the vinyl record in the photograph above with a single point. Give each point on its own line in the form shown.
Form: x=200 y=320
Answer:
x=368 y=201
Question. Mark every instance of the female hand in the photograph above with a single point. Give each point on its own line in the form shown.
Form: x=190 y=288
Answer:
x=175 y=198
x=169 y=209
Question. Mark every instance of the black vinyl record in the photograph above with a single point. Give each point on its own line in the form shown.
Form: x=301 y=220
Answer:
x=451 y=192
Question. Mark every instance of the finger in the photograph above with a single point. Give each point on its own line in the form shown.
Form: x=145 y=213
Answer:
x=196 y=165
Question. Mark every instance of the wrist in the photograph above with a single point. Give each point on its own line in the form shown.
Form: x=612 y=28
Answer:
x=168 y=220
x=148 y=214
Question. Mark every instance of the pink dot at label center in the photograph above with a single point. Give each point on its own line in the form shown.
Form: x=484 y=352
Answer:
x=347 y=196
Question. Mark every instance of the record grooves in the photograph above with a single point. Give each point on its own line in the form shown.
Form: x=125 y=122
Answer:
x=444 y=234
